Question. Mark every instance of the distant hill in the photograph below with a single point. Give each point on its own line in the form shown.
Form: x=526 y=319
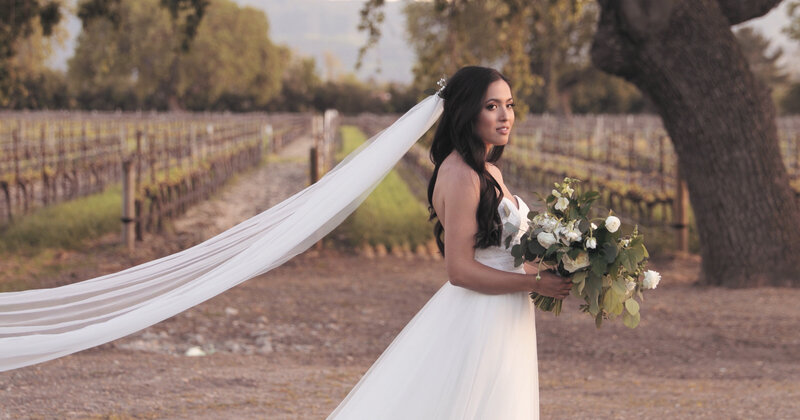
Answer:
x=314 y=27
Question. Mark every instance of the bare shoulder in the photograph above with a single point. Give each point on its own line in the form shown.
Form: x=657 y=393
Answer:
x=494 y=171
x=456 y=175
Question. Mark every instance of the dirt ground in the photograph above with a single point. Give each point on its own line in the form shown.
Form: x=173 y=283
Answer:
x=291 y=343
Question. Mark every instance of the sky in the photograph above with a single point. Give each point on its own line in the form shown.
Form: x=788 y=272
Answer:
x=316 y=27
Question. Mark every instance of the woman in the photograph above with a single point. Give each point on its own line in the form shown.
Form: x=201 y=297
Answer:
x=470 y=353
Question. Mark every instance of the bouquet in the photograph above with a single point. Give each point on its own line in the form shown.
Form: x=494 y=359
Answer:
x=607 y=269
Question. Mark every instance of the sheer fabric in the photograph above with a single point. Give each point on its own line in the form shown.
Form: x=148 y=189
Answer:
x=43 y=324
x=465 y=355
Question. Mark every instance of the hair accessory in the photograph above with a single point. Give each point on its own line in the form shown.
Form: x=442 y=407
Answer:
x=441 y=83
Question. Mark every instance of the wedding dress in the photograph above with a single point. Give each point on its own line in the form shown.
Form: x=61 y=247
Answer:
x=464 y=355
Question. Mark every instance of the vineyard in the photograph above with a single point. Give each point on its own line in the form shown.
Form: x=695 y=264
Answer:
x=173 y=159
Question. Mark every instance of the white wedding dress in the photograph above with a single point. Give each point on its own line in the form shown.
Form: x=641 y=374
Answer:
x=464 y=355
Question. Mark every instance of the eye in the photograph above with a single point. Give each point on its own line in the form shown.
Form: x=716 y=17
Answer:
x=510 y=106
x=491 y=107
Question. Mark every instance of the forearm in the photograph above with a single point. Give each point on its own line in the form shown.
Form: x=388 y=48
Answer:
x=484 y=279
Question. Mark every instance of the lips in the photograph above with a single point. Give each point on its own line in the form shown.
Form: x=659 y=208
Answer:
x=503 y=130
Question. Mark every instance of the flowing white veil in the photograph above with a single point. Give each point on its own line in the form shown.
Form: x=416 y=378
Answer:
x=43 y=324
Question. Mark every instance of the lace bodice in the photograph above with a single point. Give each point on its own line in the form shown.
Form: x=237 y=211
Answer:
x=499 y=257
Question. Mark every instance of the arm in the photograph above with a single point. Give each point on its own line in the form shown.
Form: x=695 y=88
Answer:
x=461 y=189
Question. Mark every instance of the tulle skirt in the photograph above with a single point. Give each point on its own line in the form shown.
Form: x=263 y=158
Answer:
x=465 y=355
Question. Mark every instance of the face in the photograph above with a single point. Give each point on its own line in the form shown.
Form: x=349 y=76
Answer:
x=496 y=118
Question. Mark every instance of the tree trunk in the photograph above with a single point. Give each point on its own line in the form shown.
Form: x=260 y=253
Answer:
x=683 y=55
x=550 y=78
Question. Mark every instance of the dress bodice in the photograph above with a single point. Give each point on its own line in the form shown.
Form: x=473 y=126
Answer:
x=500 y=257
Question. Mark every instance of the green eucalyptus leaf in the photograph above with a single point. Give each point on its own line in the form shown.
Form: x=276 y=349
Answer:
x=516 y=251
x=584 y=225
x=632 y=306
x=536 y=248
x=630 y=321
x=599 y=266
x=593 y=287
x=636 y=254
x=529 y=256
x=551 y=250
x=617 y=309
x=608 y=300
x=574 y=252
x=626 y=260
x=613 y=269
x=579 y=277
x=610 y=251
x=619 y=286
x=577 y=289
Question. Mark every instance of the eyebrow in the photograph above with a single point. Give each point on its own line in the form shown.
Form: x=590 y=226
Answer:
x=498 y=100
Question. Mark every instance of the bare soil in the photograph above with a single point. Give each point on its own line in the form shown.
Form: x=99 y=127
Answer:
x=291 y=343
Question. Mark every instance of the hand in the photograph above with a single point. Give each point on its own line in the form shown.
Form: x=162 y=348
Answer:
x=551 y=284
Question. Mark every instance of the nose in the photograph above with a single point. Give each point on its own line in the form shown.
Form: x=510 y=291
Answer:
x=504 y=114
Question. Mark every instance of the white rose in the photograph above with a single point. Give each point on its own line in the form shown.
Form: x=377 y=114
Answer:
x=562 y=203
x=612 y=223
x=546 y=239
x=549 y=224
x=573 y=235
x=591 y=243
x=582 y=260
x=651 y=279
x=546 y=222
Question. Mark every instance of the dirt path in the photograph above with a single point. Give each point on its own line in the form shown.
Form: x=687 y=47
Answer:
x=291 y=343
x=250 y=194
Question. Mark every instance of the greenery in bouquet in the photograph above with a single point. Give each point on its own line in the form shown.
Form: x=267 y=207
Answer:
x=607 y=268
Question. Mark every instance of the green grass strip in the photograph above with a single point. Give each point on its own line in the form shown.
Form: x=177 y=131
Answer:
x=391 y=215
x=64 y=225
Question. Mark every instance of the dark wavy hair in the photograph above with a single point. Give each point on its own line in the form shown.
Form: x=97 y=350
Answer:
x=463 y=101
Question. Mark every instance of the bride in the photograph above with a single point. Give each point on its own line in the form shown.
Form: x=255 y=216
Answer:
x=470 y=352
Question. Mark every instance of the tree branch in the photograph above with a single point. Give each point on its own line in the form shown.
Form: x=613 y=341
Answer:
x=646 y=17
x=738 y=11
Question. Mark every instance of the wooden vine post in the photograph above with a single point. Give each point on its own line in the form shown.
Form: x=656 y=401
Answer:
x=313 y=163
x=128 y=210
x=681 y=215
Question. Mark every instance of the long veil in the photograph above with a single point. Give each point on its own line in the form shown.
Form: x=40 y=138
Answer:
x=43 y=324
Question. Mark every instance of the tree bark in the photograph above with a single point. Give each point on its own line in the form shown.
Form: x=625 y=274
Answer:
x=683 y=55
x=550 y=77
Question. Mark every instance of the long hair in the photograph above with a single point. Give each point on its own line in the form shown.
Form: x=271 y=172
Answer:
x=463 y=101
